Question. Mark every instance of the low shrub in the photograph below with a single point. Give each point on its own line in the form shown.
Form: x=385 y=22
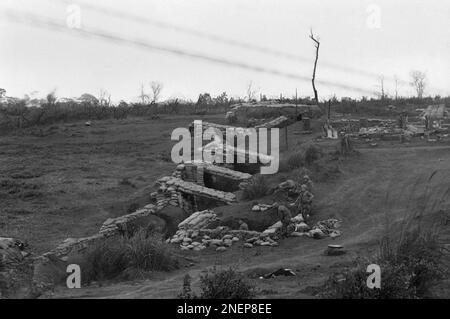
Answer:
x=127 y=257
x=225 y=284
x=312 y=154
x=257 y=187
x=409 y=268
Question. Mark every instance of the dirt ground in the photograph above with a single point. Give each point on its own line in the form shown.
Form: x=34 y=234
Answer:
x=67 y=183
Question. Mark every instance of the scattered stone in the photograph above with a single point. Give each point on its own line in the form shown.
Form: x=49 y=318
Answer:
x=216 y=242
x=316 y=233
x=248 y=245
x=298 y=234
x=221 y=248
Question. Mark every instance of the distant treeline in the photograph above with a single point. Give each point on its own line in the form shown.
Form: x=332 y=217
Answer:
x=22 y=113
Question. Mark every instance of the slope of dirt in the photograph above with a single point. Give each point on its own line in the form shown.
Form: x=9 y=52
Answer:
x=358 y=197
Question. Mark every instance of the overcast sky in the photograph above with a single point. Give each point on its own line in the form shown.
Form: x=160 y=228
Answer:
x=359 y=41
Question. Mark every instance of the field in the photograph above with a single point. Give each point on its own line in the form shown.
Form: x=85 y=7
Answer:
x=67 y=179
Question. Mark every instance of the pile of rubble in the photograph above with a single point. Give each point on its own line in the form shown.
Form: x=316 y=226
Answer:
x=193 y=234
x=325 y=228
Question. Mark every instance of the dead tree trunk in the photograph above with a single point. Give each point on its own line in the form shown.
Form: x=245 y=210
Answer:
x=317 y=45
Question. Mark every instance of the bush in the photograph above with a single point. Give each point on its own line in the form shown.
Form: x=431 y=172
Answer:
x=312 y=154
x=257 y=187
x=129 y=257
x=225 y=284
x=306 y=156
x=409 y=268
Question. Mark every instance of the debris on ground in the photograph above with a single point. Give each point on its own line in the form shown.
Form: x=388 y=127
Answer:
x=279 y=272
x=261 y=207
x=325 y=228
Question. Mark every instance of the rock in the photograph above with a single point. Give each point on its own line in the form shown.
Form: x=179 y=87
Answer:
x=228 y=242
x=256 y=208
x=301 y=227
x=274 y=244
x=270 y=231
x=187 y=240
x=265 y=243
x=335 y=233
x=189 y=246
x=195 y=243
x=251 y=240
x=216 y=242
x=317 y=233
x=298 y=234
x=235 y=239
x=248 y=245
x=221 y=249
x=298 y=219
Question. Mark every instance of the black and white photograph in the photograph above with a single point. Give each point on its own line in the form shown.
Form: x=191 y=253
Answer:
x=225 y=155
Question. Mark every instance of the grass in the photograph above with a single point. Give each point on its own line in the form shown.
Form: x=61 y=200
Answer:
x=306 y=156
x=410 y=258
x=125 y=258
x=408 y=271
x=257 y=187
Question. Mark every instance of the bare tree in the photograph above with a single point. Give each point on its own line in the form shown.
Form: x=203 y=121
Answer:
x=250 y=92
x=381 y=85
x=51 y=98
x=396 y=86
x=143 y=96
x=317 y=45
x=418 y=82
x=104 y=98
x=156 y=91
